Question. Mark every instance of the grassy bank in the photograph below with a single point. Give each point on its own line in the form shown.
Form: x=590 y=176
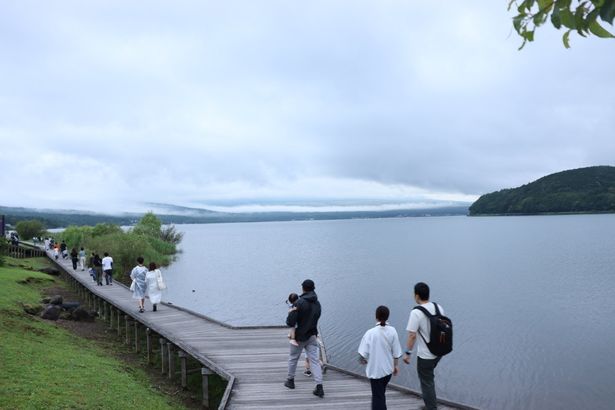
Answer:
x=45 y=366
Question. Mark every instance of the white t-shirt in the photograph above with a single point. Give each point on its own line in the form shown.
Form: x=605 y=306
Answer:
x=107 y=263
x=419 y=322
x=379 y=346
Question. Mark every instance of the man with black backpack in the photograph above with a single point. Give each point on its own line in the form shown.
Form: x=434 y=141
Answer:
x=435 y=339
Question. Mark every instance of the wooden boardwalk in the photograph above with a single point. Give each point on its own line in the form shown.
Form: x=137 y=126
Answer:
x=252 y=360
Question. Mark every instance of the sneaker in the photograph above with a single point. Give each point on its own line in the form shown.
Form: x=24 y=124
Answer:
x=307 y=373
x=318 y=391
x=290 y=383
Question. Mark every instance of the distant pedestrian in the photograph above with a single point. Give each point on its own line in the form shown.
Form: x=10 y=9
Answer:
x=82 y=259
x=74 y=257
x=305 y=318
x=107 y=267
x=380 y=350
x=155 y=285
x=91 y=265
x=97 y=262
x=56 y=251
x=63 y=250
x=138 y=283
x=426 y=361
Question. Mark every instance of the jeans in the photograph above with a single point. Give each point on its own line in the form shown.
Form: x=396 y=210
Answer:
x=425 y=368
x=311 y=350
x=109 y=277
x=379 y=386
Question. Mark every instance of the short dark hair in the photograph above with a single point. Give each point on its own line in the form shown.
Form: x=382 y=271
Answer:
x=152 y=266
x=293 y=297
x=140 y=260
x=308 y=285
x=382 y=315
x=422 y=290
x=106 y=254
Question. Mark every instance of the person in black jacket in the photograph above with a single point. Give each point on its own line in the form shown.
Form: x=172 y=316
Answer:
x=305 y=319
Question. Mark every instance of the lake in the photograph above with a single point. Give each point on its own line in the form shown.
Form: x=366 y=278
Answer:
x=532 y=298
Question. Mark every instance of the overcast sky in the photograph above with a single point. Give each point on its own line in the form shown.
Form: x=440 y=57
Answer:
x=107 y=105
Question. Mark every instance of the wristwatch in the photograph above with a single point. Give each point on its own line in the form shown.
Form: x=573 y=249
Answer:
x=408 y=352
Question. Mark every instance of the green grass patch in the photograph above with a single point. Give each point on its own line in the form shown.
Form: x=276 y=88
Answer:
x=44 y=366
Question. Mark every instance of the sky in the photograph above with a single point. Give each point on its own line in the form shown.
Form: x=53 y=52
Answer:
x=248 y=105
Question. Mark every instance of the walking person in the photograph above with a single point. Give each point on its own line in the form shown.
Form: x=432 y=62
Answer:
x=380 y=350
x=155 y=285
x=107 y=267
x=82 y=259
x=63 y=250
x=138 y=283
x=305 y=321
x=98 y=272
x=426 y=361
x=74 y=257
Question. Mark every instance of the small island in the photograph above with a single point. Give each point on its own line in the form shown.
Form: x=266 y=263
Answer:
x=583 y=190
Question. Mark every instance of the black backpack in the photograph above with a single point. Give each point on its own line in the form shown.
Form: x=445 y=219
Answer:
x=441 y=335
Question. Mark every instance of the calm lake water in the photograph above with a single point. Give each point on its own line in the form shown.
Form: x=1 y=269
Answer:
x=532 y=298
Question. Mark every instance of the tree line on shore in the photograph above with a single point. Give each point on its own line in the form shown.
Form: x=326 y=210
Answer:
x=147 y=238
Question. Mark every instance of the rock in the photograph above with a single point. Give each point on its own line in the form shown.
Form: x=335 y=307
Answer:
x=70 y=305
x=51 y=312
x=45 y=300
x=56 y=300
x=66 y=315
x=50 y=271
x=32 y=309
x=82 y=315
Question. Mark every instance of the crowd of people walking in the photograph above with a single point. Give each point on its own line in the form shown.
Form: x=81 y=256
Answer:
x=379 y=349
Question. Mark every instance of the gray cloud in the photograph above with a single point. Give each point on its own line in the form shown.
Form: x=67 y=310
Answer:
x=107 y=104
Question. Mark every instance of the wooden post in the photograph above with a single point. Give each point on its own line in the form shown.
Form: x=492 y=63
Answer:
x=127 y=322
x=119 y=322
x=205 y=372
x=162 y=355
x=183 y=364
x=148 y=344
x=171 y=354
x=136 y=336
x=110 y=317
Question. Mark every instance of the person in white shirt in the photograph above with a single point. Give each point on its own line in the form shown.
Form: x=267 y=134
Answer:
x=380 y=351
x=107 y=266
x=426 y=361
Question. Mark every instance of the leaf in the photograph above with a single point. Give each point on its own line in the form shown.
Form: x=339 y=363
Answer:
x=579 y=20
x=566 y=39
x=528 y=35
x=510 y=3
x=567 y=19
x=597 y=30
x=607 y=11
x=518 y=22
x=555 y=19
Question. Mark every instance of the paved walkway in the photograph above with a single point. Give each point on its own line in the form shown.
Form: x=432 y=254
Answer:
x=255 y=357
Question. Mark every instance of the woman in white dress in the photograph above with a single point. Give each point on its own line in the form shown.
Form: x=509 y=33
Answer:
x=155 y=284
x=138 y=286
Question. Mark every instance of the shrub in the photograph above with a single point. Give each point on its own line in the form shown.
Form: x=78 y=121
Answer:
x=29 y=229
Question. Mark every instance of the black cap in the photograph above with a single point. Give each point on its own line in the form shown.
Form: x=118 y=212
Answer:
x=308 y=285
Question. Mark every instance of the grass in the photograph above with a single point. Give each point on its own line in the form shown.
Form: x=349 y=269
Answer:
x=44 y=366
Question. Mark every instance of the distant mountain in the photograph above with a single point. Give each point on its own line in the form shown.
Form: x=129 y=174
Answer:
x=183 y=215
x=583 y=190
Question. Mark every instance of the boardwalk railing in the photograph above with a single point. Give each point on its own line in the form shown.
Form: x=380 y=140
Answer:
x=22 y=252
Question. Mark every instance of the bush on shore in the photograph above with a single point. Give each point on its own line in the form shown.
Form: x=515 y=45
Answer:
x=147 y=238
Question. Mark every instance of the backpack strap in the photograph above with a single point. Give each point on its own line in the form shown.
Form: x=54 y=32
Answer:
x=426 y=312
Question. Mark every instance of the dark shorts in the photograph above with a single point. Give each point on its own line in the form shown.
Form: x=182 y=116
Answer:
x=108 y=272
